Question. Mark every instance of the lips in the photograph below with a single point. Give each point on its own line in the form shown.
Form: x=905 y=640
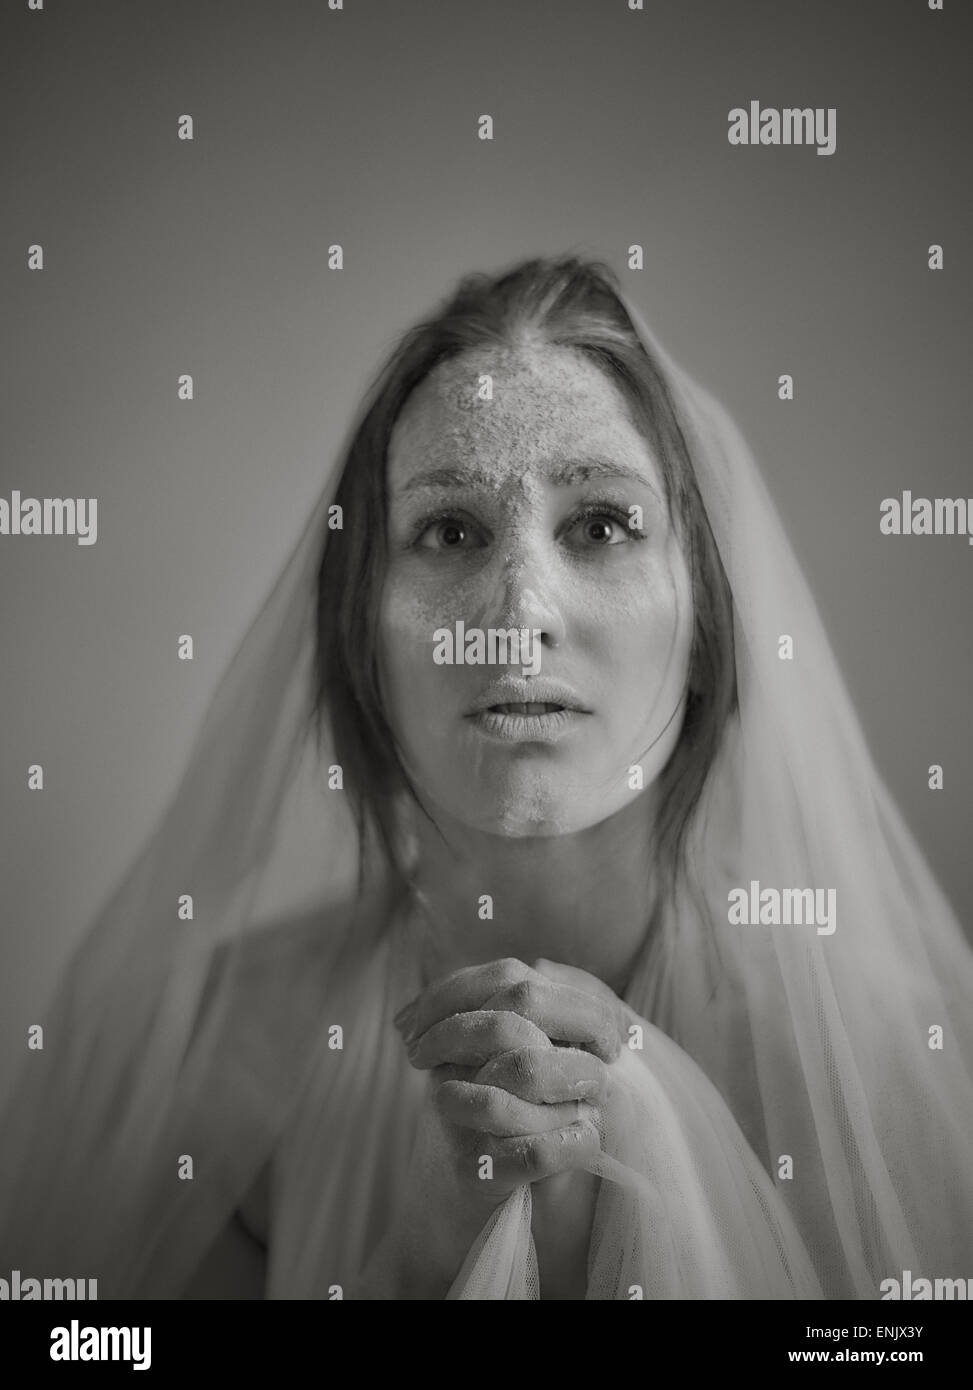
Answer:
x=525 y=697
x=521 y=708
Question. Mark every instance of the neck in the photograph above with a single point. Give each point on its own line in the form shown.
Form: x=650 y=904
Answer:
x=583 y=899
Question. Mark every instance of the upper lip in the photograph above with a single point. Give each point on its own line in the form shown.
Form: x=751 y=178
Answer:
x=512 y=691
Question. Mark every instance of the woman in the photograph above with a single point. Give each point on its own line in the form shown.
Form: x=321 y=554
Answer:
x=643 y=989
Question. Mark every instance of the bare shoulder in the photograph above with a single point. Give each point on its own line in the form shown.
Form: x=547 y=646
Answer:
x=269 y=990
x=290 y=961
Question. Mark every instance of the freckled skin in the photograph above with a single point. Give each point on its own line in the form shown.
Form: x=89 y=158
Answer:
x=616 y=613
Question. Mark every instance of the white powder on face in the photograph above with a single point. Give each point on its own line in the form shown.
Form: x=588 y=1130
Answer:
x=550 y=406
x=545 y=399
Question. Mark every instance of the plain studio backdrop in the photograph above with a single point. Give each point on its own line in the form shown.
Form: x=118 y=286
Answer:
x=359 y=127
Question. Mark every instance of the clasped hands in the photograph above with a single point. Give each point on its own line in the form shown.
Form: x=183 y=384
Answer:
x=522 y=1057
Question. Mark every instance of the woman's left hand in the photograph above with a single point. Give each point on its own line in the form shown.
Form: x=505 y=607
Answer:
x=578 y=1012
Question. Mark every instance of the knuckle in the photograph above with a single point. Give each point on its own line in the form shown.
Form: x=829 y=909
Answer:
x=528 y=1156
x=519 y=1157
x=522 y=1067
x=507 y=1030
x=510 y=970
x=521 y=995
x=512 y=1070
x=498 y=1032
x=574 y=1142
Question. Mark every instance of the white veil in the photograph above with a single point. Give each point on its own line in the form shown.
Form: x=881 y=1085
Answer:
x=820 y=1047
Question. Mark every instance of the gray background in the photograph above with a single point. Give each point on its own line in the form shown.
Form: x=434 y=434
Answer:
x=359 y=127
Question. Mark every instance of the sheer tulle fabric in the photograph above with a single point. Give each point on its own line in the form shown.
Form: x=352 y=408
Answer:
x=215 y=1037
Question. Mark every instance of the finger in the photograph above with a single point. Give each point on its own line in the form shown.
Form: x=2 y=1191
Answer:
x=539 y=1156
x=494 y=1111
x=462 y=992
x=470 y=1039
x=564 y=1013
x=547 y=1075
x=448 y=1072
x=571 y=975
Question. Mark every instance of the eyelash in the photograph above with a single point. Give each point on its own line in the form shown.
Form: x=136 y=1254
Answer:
x=586 y=513
x=614 y=513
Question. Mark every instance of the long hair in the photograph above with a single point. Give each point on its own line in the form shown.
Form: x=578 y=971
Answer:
x=566 y=302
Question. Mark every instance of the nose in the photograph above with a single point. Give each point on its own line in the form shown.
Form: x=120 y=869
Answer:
x=526 y=600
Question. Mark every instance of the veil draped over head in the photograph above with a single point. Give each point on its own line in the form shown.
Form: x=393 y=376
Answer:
x=798 y=1122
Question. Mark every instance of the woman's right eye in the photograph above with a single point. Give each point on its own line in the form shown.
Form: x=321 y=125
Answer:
x=448 y=533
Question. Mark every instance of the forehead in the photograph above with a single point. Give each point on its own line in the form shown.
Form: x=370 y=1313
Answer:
x=549 y=404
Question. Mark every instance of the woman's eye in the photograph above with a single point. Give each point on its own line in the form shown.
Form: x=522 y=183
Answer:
x=447 y=533
x=599 y=529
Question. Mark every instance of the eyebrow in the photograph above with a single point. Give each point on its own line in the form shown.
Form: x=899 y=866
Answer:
x=566 y=474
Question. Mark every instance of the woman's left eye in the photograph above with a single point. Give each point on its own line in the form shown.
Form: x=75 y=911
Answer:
x=598 y=529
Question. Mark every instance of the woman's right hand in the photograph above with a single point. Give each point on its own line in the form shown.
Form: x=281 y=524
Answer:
x=504 y=1107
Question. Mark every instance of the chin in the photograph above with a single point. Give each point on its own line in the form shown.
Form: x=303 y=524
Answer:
x=534 y=813
x=522 y=800
x=516 y=825
x=568 y=812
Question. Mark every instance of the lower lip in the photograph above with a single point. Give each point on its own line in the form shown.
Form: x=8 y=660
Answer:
x=526 y=728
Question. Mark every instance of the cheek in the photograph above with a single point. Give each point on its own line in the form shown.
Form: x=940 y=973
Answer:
x=409 y=678
x=414 y=604
x=643 y=641
x=404 y=632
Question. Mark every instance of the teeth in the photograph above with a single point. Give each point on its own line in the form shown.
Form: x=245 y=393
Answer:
x=526 y=709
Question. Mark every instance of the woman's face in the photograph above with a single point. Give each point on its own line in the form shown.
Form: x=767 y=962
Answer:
x=514 y=513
